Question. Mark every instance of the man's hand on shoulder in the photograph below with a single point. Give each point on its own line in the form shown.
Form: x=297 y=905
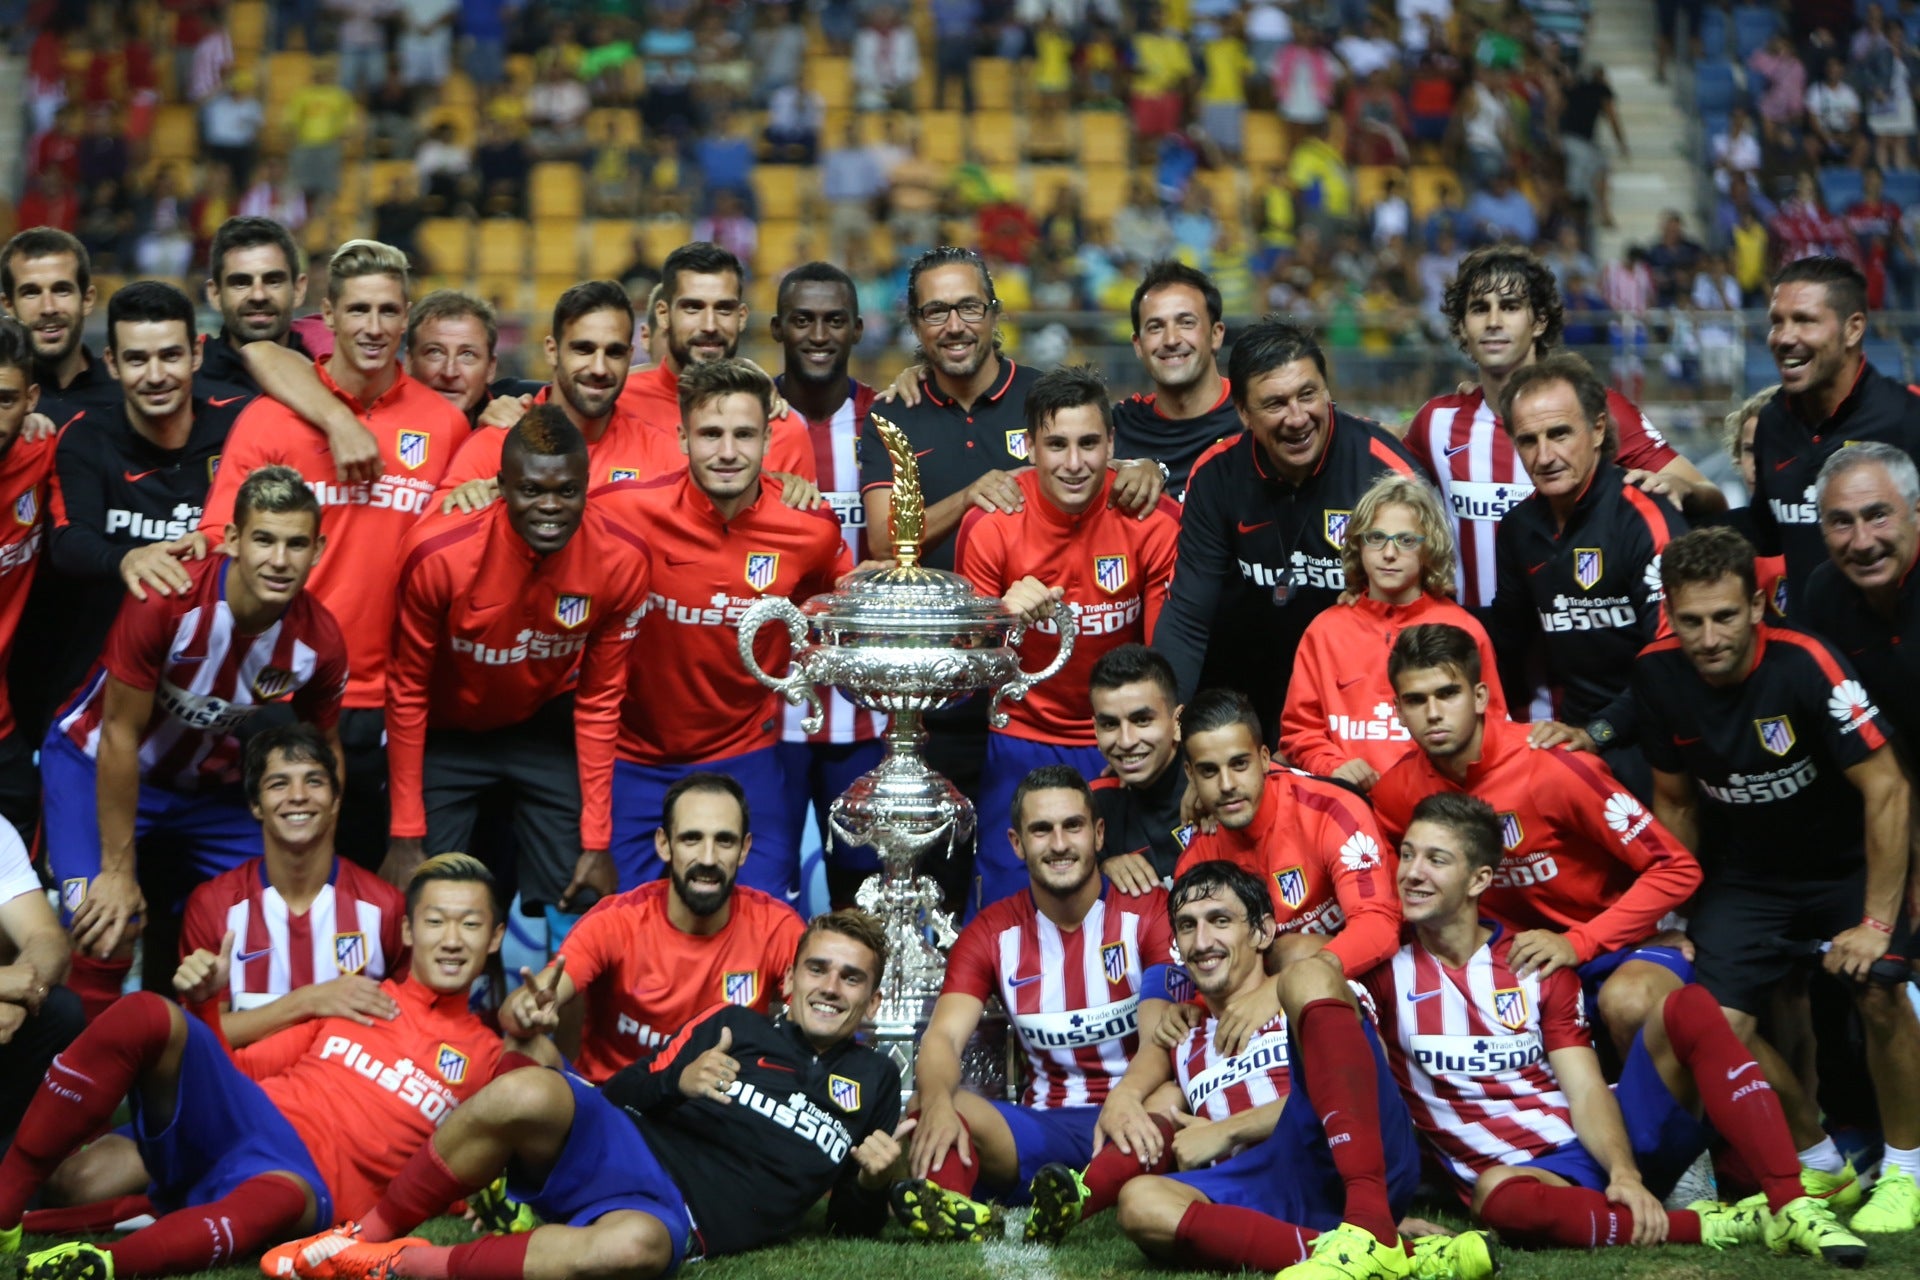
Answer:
x=472 y=495
x=1137 y=486
x=156 y=566
x=505 y=411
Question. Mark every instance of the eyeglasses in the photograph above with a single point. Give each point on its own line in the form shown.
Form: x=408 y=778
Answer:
x=1378 y=538
x=972 y=310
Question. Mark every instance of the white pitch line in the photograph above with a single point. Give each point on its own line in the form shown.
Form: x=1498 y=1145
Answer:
x=1013 y=1260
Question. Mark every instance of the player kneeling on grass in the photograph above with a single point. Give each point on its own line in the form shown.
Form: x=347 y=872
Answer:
x=720 y=1142
x=1239 y=1190
x=245 y=1149
x=1505 y=1086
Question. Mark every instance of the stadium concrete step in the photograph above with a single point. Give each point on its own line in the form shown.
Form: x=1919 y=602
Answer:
x=1661 y=174
x=13 y=124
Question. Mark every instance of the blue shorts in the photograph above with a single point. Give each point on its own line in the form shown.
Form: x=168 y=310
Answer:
x=1665 y=1137
x=1595 y=972
x=1044 y=1135
x=816 y=773
x=1291 y=1175
x=639 y=801
x=224 y=1131
x=604 y=1166
x=998 y=869
x=218 y=829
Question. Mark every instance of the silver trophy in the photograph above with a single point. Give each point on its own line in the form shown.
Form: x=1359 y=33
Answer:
x=905 y=640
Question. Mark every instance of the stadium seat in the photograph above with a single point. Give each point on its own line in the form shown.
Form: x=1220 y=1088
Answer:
x=783 y=246
x=521 y=71
x=502 y=247
x=464 y=117
x=943 y=137
x=1759 y=367
x=446 y=245
x=458 y=90
x=556 y=189
x=247 y=26
x=1223 y=185
x=609 y=247
x=993 y=80
x=781 y=191
x=1714 y=27
x=1105 y=192
x=547 y=288
x=662 y=236
x=1887 y=355
x=1104 y=138
x=382 y=174
x=1427 y=187
x=1043 y=180
x=176 y=133
x=995 y=137
x=832 y=79
x=1841 y=187
x=506 y=292
x=1903 y=187
x=1265 y=142
x=1713 y=86
x=1370 y=183
x=1753 y=26
x=614 y=126
x=556 y=247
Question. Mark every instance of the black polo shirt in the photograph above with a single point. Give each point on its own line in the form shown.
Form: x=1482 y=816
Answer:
x=1884 y=650
x=223 y=374
x=1140 y=430
x=1788 y=452
x=955 y=445
x=1145 y=820
x=92 y=390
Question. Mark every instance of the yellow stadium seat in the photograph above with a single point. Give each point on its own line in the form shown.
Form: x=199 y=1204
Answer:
x=382 y=174
x=783 y=246
x=247 y=25
x=995 y=137
x=993 y=80
x=1050 y=136
x=609 y=248
x=1427 y=185
x=556 y=247
x=557 y=189
x=943 y=137
x=1043 y=180
x=662 y=236
x=869 y=128
x=505 y=292
x=1103 y=138
x=176 y=133
x=613 y=127
x=1106 y=190
x=547 y=288
x=521 y=71
x=503 y=247
x=832 y=79
x=1265 y=142
x=447 y=246
x=458 y=90
x=780 y=191
x=464 y=117
x=763 y=294
x=1370 y=183
x=1224 y=186
x=425 y=285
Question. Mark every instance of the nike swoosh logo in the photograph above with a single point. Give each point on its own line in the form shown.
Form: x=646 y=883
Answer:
x=776 y=1066
x=1684 y=742
x=248 y=957
x=136 y=479
x=1350 y=680
x=1458 y=448
x=1535 y=568
x=1244 y=527
x=1417 y=996
x=75 y=418
x=221 y=404
x=1782 y=466
x=686 y=560
x=1735 y=1073
x=922 y=453
x=1021 y=982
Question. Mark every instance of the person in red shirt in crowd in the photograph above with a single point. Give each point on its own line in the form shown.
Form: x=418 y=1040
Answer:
x=1804 y=227
x=1065 y=542
x=150 y=743
x=314 y=936
x=247 y=1149
x=701 y=314
x=26 y=469
x=508 y=666
x=1771 y=571
x=647 y=962
x=1338 y=720
x=417 y=433
x=1876 y=225
x=721 y=541
x=1314 y=842
x=1587 y=875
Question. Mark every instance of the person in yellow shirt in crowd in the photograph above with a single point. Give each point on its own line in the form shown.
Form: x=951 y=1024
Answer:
x=1226 y=65
x=317 y=119
x=1162 y=69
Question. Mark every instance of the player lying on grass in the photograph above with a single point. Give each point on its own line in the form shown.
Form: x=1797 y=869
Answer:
x=1504 y=1084
x=1186 y=1146
x=720 y=1142
x=238 y=1151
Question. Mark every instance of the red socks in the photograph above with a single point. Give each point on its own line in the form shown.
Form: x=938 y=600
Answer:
x=422 y=1189
x=97 y=982
x=1113 y=1168
x=953 y=1175
x=1740 y=1104
x=85 y=1219
x=77 y=1098
x=1343 y=1081
x=1533 y=1213
x=1225 y=1237
x=258 y=1212
x=492 y=1258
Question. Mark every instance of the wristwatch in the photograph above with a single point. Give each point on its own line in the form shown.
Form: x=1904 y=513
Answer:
x=1603 y=733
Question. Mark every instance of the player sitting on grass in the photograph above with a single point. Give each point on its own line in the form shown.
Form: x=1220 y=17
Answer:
x=720 y=1142
x=1504 y=1084
x=245 y=1149
x=1210 y=1115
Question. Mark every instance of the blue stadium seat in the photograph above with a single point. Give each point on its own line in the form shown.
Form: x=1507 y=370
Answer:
x=1903 y=187
x=1842 y=187
x=1887 y=355
x=1713 y=33
x=1760 y=368
x=1713 y=86
x=1753 y=26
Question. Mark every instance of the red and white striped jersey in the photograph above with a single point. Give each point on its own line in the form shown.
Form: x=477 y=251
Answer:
x=1073 y=995
x=353 y=926
x=1459 y=442
x=207 y=678
x=837 y=463
x=1469 y=1049
x=1217 y=1086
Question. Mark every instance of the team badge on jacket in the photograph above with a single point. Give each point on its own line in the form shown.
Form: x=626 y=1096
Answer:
x=1776 y=734
x=1113 y=957
x=413 y=449
x=1511 y=832
x=1110 y=572
x=1336 y=528
x=844 y=1092
x=452 y=1064
x=740 y=988
x=25 y=509
x=1292 y=884
x=272 y=683
x=571 y=611
x=1510 y=1006
x=350 y=952
x=762 y=568
x=1017 y=444
x=1586 y=566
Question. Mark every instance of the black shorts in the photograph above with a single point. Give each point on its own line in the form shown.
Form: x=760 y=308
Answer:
x=531 y=767
x=1748 y=934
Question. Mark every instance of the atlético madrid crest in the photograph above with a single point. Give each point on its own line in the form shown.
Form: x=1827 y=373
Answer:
x=1511 y=832
x=451 y=1063
x=740 y=988
x=350 y=952
x=762 y=568
x=1113 y=958
x=1776 y=734
x=1587 y=565
x=1336 y=527
x=1017 y=444
x=622 y=473
x=1292 y=884
x=412 y=449
x=844 y=1092
x=26 y=509
x=570 y=611
x=1110 y=572
x=1510 y=1006
x=272 y=684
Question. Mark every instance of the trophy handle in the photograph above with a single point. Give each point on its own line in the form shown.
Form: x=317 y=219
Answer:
x=794 y=686
x=1063 y=620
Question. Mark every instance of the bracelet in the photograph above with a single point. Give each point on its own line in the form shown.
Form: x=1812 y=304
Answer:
x=1879 y=925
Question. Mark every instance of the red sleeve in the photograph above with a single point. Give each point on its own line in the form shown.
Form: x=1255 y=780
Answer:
x=477 y=459
x=318 y=701
x=1641 y=446
x=137 y=645
x=972 y=968
x=783 y=943
x=977 y=553
x=246 y=449
x=1393 y=799
x=1563 y=1023
x=204 y=926
x=590 y=942
x=1580 y=797
x=418 y=623
x=1158 y=557
x=264 y=1059
x=1156 y=933
x=790 y=448
x=1303 y=717
x=602 y=686
x=1361 y=868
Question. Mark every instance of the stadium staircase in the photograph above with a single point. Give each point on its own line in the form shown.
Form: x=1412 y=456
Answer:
x=13 y=124
x=1662 y=173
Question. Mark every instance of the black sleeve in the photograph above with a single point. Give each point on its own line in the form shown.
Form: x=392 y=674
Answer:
x=1762 y=530
x=652 y=1084
x=853 y=1210
x=1649 y=603
x=1203 y=564
x=1510 y=621
x=78 y=546
x=1655 y=737
x=876 y=464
